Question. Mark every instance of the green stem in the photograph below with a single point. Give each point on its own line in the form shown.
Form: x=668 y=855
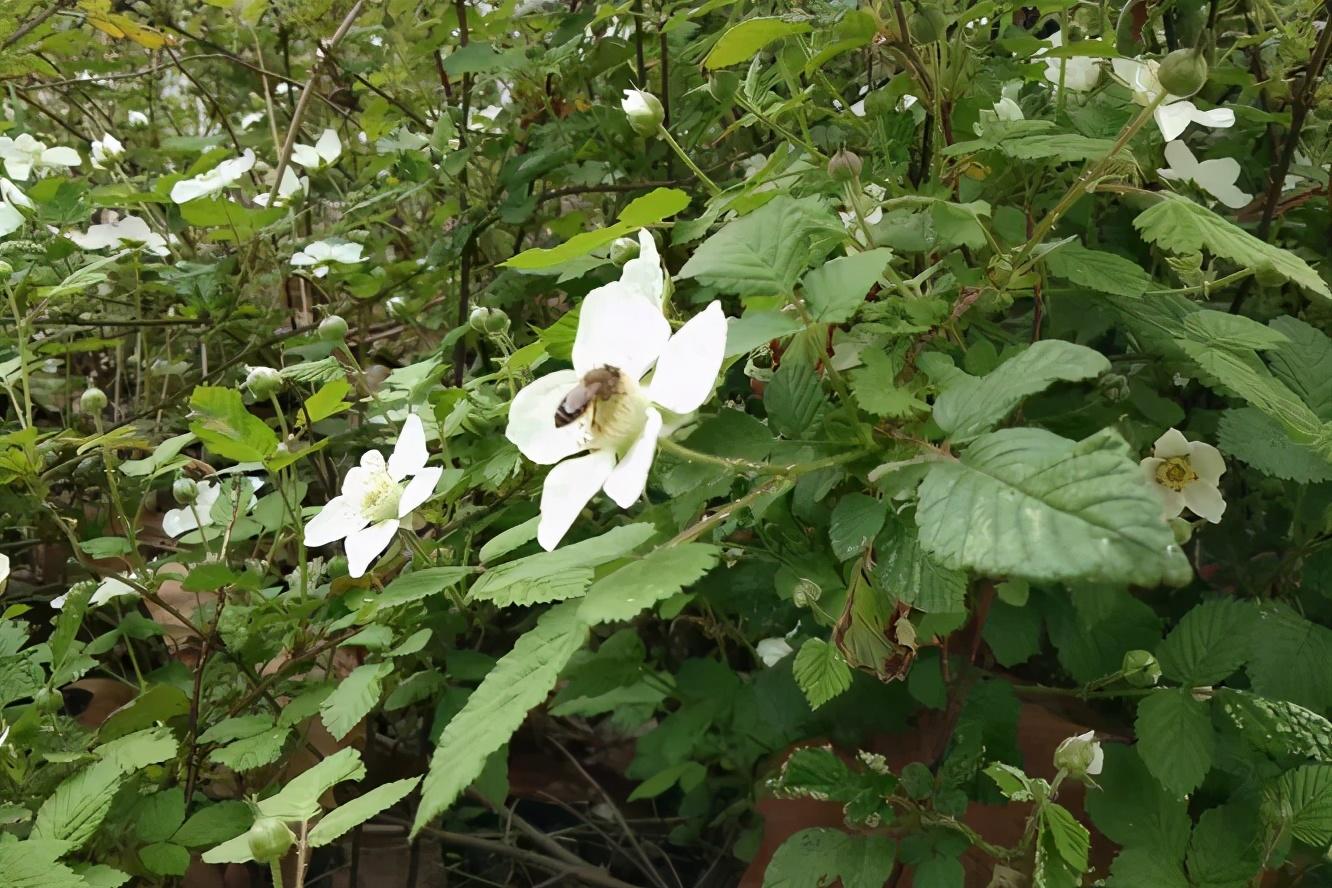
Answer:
x=25 y=415
x=275 y=867
x=684 y=156
x=687 y=453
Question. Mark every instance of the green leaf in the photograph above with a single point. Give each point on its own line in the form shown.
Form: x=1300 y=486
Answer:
x=1013 y=633
x=1289 y=658
x=1068 y=840
x=224 y=425
x=415 y=586
x=254 y=751
x=877 y=392
x=834 y=290
x=1259 y=440
x=1098 y=270
x=1304 y=363
x=641 y=584
x=793 y=398
x=1063 y=147
x=742 y=41
x=1175 y=739
x=1301 y=802
x=159 y=815
x=687 y=774
x=765 y=252
x=856 y=521
x=970 y=405
x=1179 y=225
x=1235 y=332
x=1226 y=849
x=77 y=807
x=235 y=221
x=641 y=212
x=520 y=680
x=31 y=865
x=563 y=573
x=165 y=859
x=326 y=402
x=102 y=876
x=360 y=809
x=214 y=823
x=1139 y=867
x=1276 y=727
x=813 y=772
x=813 y=858
x=820 y=671
x=904 y=571
x=1027 y=503
x=1209 y=644
x=353 y=698
x=958 y=224
x=299 y=799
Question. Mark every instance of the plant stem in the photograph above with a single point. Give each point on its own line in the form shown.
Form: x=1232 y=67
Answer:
x=675 y=146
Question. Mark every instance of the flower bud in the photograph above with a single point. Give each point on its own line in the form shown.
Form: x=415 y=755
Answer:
x=644 y=111
x=5 y=270
x=185 y=491
x=333 y=329
x=1140 y=669
x=484 y=319
x=263 y=382
x=1080 y=756
x=93 y=400
x=396 y=307
x=927 y=25
x=1183 y=72
x=623 y=249
x=269 y=839
x=806 y=593
x=844 y=166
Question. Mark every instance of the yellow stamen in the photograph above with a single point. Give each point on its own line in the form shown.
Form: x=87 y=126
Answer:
x=1176 y=473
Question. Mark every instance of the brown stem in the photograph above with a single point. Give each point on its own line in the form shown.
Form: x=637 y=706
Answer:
x=28 y=26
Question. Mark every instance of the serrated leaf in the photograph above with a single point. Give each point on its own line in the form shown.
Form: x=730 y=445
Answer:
x=1027 y=503
x=1259 y=440
x=903 y=570
x=649 y=209
x=1098 y=270
x=838 y=287
x=224 y=425
x=28 y=865
x=793 y=398
x=820 y=671
x=1301 y=802
x=563 y=573
x=157 y=816
x=813 y=772
x=1226 y=330
x=1179 y=225
x=353 y=698
x=1289 y=658
x=855 y=522
x=165 y=859
x=1226 y=849
x=1209 y=644
x=326 y=402
x=1138 y=867
x=520 y=680
x=1277 y=728
x=641 y=584
x=254 y=751
x=299 y=799
x=970 y=405
x=337 y=822
x=214 y=823
x=76 y=808
x=1063 y=147
x=877 y=392
x=817 y=857
x=742 y=41
x=1175 y=739
x=414 y=586
x=1069 y=840
x=1304 y=363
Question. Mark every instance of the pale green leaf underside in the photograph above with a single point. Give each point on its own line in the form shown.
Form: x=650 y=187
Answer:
x=1098 y=270
x=360 y=809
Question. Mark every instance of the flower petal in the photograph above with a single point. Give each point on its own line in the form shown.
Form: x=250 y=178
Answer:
x=178 y=521
x=1219 y=118
x=60 y=156
x=1149 y=467
x=336 y=520
x=418 y=490
x=1172 y=443
x=1204 y=500
x=11 y=220
x=532 y=420
x=568 y=488
x=643 y=274
x=1172 y=501
x=409 y=454
x=1174 y=118
x=329 y=145
x=304 y=155
x=364 y=546
x=625 y=484
x=687 y=370
x=1207 y=461
x=620 y=328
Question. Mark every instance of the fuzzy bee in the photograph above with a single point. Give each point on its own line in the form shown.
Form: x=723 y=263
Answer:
x=600 y=384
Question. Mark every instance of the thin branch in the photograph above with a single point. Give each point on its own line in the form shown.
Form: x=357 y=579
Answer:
x=27 y=27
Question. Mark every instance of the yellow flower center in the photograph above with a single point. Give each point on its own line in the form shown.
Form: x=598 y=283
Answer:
x=618 y=420
x=1176 y=473
x=381 y=498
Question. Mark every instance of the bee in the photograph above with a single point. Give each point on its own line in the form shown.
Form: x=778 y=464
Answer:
x=600 y=384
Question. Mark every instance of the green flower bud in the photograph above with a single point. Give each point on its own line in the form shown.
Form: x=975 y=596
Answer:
x=623 y=249
x=263 y=382
x=806 y=593
x=333 y=329
x=1141 y=669
x=1080 y=756
x=927 y=25
x=93 y=400
x=1183 y=72
x=844 y=166
x=486 y=320
x=185 y=491
x=644 y=111
x=269 y=839
x=1182 y=530
x=5 y=270
x=48 y=700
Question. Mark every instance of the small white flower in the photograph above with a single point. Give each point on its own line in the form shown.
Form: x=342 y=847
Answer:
x=251 y=119
x=1172 y=117
x=128 y=232
x=320 y=253
x=375 y=501
x=376 y=40
x=215 y=180
x=604 y=407
x=137 y=118
x=105 y=149
x=773 y=650
x=291 y=186
x=1186 y=473
x=180 y=521
x=874 y=194
x=108 y=589
x=12 y=199
x=322 y=153
x=1080 y=755
x=4 y=569
x=24 y=154
x=1080 y=73
x=1217 y=177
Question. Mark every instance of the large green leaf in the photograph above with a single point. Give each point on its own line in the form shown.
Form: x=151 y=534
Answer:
x=1259 y=440
x=1027 y=503
x=224 y=425
x=1290 y=657
x=1135 y=811
x=907 y=573
x=742 y=41
x=649 y=209
x=819 y=857
x=77 y=807
x=1210 y=642
x=820 y=671
x=353 y=698
x=1175 y=739
x=563 y=573
x=834 y=290
x=337 y=822
x=640 y=584
x=1098 y=270
x=32 y=864
x=1304 y=363
x=1301 y=802
x=1277 y=728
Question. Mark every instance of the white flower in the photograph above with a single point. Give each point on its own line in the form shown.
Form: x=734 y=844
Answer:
x=249 y=120
x=180 y=521
x=1186 y=473
x=291 y=186
x=1217 y=177
x=136 y=118
x=873 y=212
x=376 y=40
x=11 y=199
x=374 y=500
x=1005 y=109
x=773 y=650
x=1080 y=755
x=1172 y=117
x=1080 y=73
x=25 y=153
x=107 y=589
x=215 y=180
x=105 y=149
x=4 y=569
x=644 y=110
x=320 y=253
x=322 y=153
x=604 y=407
x=128 y=232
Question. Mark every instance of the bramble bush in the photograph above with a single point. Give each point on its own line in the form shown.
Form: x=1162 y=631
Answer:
x=665 y=444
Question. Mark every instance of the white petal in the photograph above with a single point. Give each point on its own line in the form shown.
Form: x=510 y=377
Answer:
x=1149 y=467
x=687 y=370
x=1172 y=501
x=1204 y=500
x=329 y=146
x=773 y=650
x=178 y=521
x=617 y=327
x=1174 y=118
x=364 y=546
x=187 y=190
x=1098 y=760
x=625 y=484
x=532 y=420
x=1218 y=117
x=111 y=588
x=418 y=490
x=409 y=454
x=4 y=570
x=643 y=274
x=349 y=253
x=336 y=520
x=61 y=157
x=1183 y=165
x=568 y=488
x=1172 y=443
x=18 y=167
x=11 y=220
x=1231 y=196
x=304 y=155
x=1206 y=460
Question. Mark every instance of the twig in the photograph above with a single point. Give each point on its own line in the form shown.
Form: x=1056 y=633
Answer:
x=29 y=26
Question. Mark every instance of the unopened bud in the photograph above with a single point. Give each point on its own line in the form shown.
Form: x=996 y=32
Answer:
x=844 y=166
x=263 y=382
x=806 y=593
x=333 y=329
x=93 y=400
x=1080 y=756
x=185 y=491
x=269 y=839
x=484 y=319
x=1183 y=72
x=623 y=249
x=1140 y=669
x=644 y=111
